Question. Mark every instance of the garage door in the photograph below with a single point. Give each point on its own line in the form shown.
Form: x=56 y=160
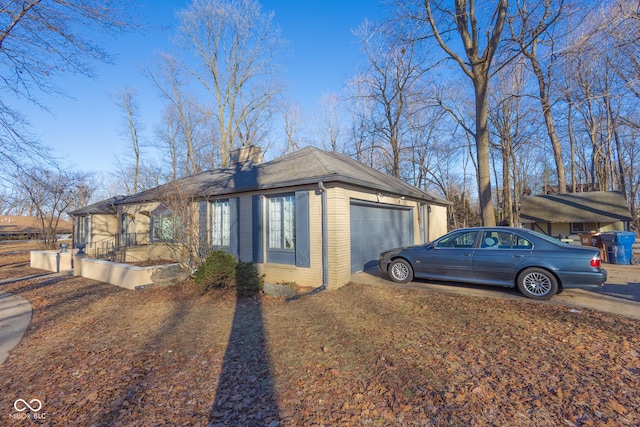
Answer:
x=374 y=228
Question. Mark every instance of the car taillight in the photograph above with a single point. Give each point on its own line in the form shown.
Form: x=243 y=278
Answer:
x=595 y=261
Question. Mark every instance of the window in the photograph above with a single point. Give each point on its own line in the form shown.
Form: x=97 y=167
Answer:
x=504 y=240
x=490 y=240
x=81 y=229
x=521 y=243
x=284 y=227
x=163 y=225
x=458 y=240
x=220 y=224
x=124 y=223
x=282 y=230
x=583 y=227
x=577 y=227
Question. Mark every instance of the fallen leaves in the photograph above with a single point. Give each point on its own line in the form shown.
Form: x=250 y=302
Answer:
x=99 y=355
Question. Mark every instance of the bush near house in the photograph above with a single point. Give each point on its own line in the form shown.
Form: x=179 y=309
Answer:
x=221 y=270
x=249 y=282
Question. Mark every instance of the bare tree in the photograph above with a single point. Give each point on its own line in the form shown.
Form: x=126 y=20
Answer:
x=391 y=83
x=185 y=129
x=172 y=135
x=622 y=26
x=167 y=141
x=511 y=119
x=426 y=127
x=187 y=231
x=293 y=128
x=607 y=97
x=236 y=47
x=125 y=100
x=361 y=140
x=532 y=30
x=40 y=41
x=330 y=123
x=477 y=66
x=51 y=193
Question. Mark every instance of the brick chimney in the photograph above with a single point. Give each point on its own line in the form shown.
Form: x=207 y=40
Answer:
x=247 y=154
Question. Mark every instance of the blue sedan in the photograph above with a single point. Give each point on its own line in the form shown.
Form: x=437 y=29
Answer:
x=539 y=265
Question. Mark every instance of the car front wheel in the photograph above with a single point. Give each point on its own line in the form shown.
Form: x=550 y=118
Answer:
x=400 y=271
x=537 y=283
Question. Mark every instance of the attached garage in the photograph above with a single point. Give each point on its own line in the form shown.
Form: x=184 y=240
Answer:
x=376 y=227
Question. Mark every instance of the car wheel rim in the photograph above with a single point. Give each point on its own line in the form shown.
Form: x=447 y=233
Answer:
x=537 y=284
x=400 y=271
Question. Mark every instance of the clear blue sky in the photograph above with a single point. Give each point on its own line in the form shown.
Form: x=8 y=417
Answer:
x=85 y=128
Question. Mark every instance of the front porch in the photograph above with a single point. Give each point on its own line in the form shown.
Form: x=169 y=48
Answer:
x=130 y=248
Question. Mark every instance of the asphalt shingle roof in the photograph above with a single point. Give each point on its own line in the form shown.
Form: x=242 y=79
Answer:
x=306 y=166
x=102 y=207
x=594 y=206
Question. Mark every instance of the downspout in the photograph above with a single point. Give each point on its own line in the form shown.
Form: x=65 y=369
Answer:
x=73 y=237
x=325 y=243
x=428 y=224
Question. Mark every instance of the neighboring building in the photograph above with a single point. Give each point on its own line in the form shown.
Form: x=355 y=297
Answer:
x=575 y=213
x=311 y=217
x=27 y=227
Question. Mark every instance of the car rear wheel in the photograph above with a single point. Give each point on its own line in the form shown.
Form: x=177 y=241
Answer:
x=400 y=271
x=537 y=283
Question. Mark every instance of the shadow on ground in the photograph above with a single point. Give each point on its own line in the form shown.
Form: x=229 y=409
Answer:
x=246 y=393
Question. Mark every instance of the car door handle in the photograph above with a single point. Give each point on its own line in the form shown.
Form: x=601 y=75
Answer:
x=518 y=256
x=466 y=254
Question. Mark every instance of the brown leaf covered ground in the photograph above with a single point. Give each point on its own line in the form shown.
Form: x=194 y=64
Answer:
x=98 y=355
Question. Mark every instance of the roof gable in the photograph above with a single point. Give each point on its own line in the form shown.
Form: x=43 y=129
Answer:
x=595 y=206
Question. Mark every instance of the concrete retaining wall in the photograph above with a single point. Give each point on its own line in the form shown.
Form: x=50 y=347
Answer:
x=123 y=275
x=55 y=261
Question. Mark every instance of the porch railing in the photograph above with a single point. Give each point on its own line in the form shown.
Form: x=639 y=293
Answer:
x=114 y=248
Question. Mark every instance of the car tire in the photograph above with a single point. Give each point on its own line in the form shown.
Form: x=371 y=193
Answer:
x=400 y=271
x=537 y=283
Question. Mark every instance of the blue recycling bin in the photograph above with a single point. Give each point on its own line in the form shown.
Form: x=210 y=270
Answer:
x=626 y=239
x=619 y=246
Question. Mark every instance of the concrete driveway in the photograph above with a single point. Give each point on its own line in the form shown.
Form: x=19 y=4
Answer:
x=619 y=295
x=15 y=315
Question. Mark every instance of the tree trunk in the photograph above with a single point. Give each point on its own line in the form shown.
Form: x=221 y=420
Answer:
x=487 y=213
x=548 y=120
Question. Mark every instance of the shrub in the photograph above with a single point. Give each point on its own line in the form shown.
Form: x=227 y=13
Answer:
x=221 y=270
x=217 y=271
x=249 y=283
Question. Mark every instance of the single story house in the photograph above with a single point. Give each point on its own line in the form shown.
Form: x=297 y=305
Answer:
x=575 y=213
x=311 y=217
